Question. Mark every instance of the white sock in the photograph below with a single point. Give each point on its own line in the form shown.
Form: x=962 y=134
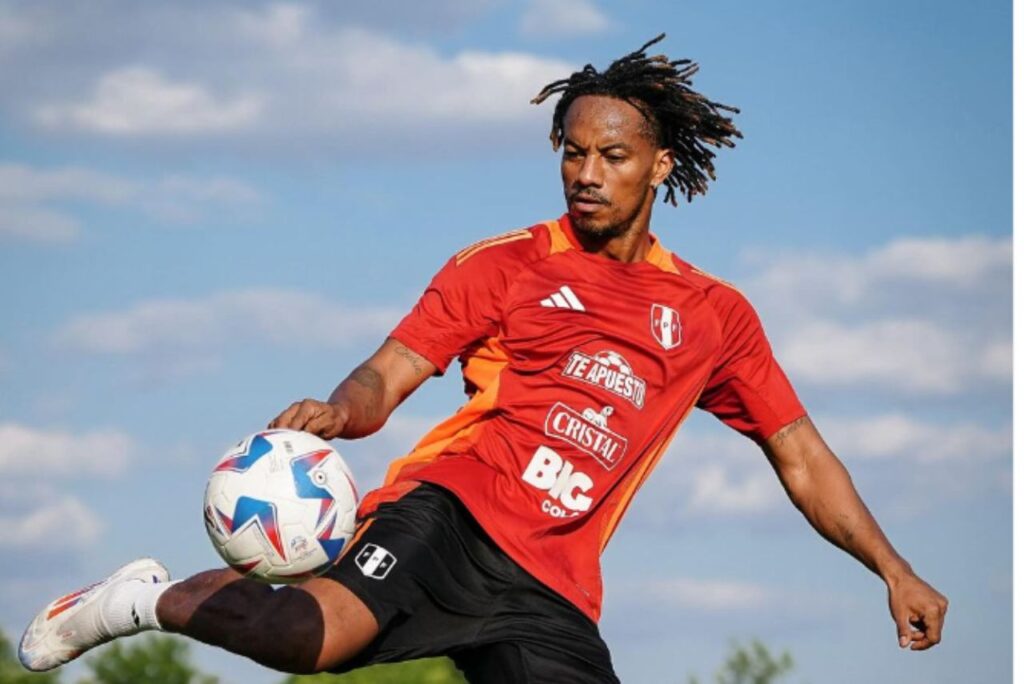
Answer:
x=130 y=607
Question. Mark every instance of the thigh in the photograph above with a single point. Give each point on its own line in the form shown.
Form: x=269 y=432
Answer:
x=348 y=624
x=528 y=663
x=413 y=566
x=548 y=635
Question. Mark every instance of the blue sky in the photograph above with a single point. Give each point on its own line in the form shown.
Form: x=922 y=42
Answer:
x=208 y=210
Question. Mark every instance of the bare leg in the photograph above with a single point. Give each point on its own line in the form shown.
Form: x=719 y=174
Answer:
x=309 y=627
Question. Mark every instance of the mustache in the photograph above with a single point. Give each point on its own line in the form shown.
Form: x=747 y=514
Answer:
x=588 y=196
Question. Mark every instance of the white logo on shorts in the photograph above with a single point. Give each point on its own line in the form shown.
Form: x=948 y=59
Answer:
x=375 y=562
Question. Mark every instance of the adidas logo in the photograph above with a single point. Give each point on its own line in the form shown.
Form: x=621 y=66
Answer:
x=565 y=298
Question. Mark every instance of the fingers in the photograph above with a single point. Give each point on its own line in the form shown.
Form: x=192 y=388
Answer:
x=928 y=630
x=903 y=631
x=285 y=417
x=325 y=424
x=299 y=415
x=919 y=611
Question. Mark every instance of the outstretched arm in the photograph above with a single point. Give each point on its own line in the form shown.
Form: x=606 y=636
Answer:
x=819 y=485
x=362 y=403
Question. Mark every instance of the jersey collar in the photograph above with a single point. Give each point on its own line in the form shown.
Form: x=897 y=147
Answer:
x=563 y=237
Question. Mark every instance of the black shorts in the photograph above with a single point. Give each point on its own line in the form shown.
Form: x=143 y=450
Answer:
x=438 y=585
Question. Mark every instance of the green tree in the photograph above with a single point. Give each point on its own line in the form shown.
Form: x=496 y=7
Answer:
x=426 y=671
x=158 y=659
x=753 y=664
x=11 y=671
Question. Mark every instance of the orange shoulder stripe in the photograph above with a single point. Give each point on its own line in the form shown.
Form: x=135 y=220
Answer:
x=559 y=242
x=512 y=236
x=711 y=276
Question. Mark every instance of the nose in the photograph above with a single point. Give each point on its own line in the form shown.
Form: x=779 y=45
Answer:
x=590 y=172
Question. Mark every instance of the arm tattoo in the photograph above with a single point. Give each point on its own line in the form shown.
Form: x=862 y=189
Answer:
x=781 y=435
x=368 y=378
x=371 y=380
x=411 y=357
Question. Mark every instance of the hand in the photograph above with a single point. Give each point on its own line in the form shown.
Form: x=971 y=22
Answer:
x=918 y=610
x=320 y=418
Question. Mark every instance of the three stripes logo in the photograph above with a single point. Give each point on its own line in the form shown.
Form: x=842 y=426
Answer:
x=565 y=298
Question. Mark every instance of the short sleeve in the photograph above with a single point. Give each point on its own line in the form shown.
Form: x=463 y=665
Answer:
x=747 y=390
x=461 y=305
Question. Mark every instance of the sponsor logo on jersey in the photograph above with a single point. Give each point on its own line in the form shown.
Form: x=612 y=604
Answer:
x=565 y=298
x=666 y=326
x=565 y=486
x=587 y=431
x=375 y=561
x=610 y=371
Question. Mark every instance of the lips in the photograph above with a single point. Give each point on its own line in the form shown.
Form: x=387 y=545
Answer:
x=585 y=205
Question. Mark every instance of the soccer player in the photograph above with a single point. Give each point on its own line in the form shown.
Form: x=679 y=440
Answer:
x=584 y=344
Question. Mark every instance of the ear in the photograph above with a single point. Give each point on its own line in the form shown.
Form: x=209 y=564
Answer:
x=664 y=162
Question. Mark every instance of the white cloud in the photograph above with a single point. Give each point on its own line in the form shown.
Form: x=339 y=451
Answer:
x=61 y=519
x=330 y=86
x=281 y=25
x=923 y=316
x=19 y=182
x=563 y=18
x=185 y=328
x=28 y=196
x=908 y=355
x=59 y=453
x=404 y=431
x=899 y=436
x=140 y=101
x=996 y=360
x=961 y=262
x=655 y=598
x=823 y=280
x=281 y=76
x=714 y=596
x=715 y=490
x=370 y=457
x=36 y=224
x=710 y=471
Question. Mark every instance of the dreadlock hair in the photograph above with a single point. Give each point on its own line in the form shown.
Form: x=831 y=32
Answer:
x=677 y=117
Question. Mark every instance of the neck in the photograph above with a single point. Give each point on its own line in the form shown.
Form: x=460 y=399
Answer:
x=630 y=246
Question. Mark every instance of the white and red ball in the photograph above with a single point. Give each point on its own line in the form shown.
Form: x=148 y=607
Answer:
x=280 y=506
x=613 y=360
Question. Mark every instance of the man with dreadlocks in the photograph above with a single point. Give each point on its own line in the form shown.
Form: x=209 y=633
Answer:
x=584 y=344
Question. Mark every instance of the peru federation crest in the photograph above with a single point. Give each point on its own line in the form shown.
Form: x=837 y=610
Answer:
x=666 y=326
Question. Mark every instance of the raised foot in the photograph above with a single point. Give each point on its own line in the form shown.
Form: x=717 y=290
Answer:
x=71 y=625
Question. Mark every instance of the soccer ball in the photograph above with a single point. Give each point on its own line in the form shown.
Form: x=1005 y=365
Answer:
x=613 y=360
x=280 y=506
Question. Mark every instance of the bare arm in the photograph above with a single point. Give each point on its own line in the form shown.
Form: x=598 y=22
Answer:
x=362 y=403
x=820 y=486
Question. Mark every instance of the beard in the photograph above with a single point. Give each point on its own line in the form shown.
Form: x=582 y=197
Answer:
x=606 y=228
x=599 y=230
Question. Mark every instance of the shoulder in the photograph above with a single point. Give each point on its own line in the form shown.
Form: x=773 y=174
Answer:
x=504 y=250
x=734 y=315
x=724 y=297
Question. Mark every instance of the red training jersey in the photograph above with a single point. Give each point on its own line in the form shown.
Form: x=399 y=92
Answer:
x=579 y=370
